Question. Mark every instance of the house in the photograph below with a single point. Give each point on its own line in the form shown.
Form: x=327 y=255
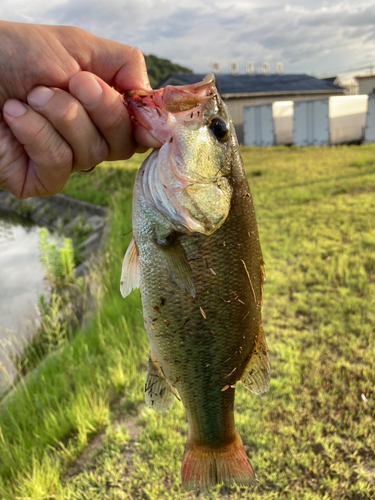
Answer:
x=366 y=84
x=240 y=91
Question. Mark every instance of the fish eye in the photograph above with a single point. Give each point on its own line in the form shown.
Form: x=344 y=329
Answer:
x=219 y=129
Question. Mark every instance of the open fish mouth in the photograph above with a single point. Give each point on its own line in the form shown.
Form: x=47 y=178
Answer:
x=175 y=99
x=157 y=110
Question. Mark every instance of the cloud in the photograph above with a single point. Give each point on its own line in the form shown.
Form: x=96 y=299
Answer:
x=304 y=36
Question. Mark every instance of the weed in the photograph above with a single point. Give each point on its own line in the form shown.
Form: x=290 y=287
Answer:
x=24 y=207
x=61 y=312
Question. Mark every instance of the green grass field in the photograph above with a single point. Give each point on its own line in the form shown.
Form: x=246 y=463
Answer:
x=77 y=427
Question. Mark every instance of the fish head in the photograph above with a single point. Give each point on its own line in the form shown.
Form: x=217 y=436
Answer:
x=191 y=179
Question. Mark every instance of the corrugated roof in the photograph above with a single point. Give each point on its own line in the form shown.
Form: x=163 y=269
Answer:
x=254 y=84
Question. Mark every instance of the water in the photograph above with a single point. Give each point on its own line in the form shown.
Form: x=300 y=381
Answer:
x=21 y=284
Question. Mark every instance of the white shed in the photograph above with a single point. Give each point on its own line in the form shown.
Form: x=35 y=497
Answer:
x=337 y=120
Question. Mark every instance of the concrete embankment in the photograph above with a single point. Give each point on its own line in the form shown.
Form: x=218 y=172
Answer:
x=73 y=218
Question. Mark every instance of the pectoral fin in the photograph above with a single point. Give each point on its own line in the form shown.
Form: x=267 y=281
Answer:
x=256 y=376
x=130 y=270
x=178 y=266
x=158 y=392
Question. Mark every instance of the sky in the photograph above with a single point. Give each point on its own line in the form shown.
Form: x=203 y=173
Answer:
x=319 y=37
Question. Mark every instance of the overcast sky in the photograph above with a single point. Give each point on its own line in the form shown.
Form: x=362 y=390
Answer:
x=324 y=36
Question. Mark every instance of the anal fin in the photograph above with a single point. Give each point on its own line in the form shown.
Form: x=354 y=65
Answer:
x=130 y=277
x=256 y=376
x=159 y=393
x=177 y=265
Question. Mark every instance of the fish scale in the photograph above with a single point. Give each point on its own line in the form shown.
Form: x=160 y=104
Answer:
x=201 y=289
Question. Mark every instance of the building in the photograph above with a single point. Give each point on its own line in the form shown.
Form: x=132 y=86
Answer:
x=366 y=84
x=349 y=84
x=240 y=91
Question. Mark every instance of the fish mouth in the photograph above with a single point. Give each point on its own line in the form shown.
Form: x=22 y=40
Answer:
x=173 y=99
x=157 y=110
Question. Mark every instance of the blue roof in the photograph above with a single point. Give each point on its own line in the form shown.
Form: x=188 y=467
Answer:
x=250 y=84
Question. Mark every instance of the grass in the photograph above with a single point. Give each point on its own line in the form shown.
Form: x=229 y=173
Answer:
x=312 y=436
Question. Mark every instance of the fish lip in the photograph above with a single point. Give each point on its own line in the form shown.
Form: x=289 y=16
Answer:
x=207 y=80
x=137 y=92
x=173 y=99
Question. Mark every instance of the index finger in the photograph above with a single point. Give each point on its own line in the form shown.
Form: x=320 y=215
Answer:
x=117 y=64
x=133 y=74
x=107 y=111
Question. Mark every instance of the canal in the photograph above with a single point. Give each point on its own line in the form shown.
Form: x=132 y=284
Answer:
x=22 y=282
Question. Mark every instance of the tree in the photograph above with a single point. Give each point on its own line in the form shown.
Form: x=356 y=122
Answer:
x=158 y=69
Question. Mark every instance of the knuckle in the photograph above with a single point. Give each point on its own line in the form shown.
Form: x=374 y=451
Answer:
x=62 y=154
x=47 y=142
x=43 y=139
x=115 y=121
x=68 y=114
x=98 y=151
x=117 y=130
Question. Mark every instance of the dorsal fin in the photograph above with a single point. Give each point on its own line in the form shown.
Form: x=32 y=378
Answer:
x=159 y=393
x=256 y=376
x=130 y=277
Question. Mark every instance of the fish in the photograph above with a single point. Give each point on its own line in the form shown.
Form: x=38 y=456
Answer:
x=197 y=259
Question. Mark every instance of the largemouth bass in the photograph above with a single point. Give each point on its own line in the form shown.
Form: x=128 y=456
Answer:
x=197 y=259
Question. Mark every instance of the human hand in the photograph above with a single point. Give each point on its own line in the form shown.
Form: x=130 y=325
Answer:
x=74 y=117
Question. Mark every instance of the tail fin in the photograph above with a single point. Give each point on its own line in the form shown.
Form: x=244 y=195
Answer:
x=203 y=467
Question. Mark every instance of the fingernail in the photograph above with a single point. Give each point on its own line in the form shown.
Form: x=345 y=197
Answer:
x=14 y=108
x=87 y=90
x=39 y=96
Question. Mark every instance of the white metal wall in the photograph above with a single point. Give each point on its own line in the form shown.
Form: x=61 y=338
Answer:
x=370 y=120
x=347 y=118
x=282 y=112
x=311 y=123
x=258 y=126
